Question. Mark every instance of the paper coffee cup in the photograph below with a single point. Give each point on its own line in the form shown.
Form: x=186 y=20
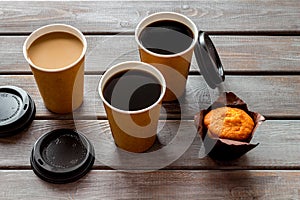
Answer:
x=60 y=87
x=132 y=130
x=174 y=67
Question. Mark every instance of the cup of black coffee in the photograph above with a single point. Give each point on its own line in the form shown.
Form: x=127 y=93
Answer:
x=166 y=40
x=132 y=94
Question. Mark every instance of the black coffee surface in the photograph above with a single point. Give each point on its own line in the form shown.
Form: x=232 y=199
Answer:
x=166 y=37
x=132 y=90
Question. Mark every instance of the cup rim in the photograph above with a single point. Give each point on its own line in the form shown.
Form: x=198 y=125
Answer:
x=122 y=67
x=62 y=28
x=192 y=26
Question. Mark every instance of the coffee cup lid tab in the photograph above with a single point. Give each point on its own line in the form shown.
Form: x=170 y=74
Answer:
x=17 y=110
x=208 y=61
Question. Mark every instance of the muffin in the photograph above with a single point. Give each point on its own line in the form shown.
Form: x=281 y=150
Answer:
x=227 y=127
x=229 y=123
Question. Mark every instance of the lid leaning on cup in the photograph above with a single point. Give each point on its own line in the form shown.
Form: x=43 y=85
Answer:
x=17 y=110
x=208 y=61
x=62 y=156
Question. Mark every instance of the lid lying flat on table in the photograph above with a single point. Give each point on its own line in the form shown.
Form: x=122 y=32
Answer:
x=208 y=61
x=62 y=156
x=17 y=110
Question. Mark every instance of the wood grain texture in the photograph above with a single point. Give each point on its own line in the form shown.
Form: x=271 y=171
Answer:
x=272 y=96
x=157 y=185
x=258 y=42
x=123 y=16
x=239 y=54
x=278 y=149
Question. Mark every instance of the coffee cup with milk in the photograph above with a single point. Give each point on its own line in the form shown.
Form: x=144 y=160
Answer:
x=56 y=55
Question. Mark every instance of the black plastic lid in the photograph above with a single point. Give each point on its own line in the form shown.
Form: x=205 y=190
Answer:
x=209 y=61
x=17 y=110
x=62 y=156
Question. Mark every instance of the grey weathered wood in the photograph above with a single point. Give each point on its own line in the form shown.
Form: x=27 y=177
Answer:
x=249 y=37
x=239 y=54
x=272 y=96
x=278 y=149
x=123 y=16
x=244 y=184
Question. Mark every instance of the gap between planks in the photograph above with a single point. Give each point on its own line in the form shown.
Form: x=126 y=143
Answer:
x=225 y=33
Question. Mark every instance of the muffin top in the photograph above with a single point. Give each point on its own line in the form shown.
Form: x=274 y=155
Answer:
x=229 y=123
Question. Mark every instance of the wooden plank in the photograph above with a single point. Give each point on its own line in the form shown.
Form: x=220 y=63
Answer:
x=239 y=54
x=272 y=96
x=123 y=16
x=278 y=149
x=157 y=185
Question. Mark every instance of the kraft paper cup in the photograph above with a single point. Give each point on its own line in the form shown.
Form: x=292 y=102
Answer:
x=133 y=131
x=174 y=67
x=62 y=88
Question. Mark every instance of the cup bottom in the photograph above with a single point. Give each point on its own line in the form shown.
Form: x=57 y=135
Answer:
x=63 y=110
x=134 y=144
x=170 y=96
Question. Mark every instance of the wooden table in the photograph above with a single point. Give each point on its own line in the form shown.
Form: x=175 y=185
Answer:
x=259 y=45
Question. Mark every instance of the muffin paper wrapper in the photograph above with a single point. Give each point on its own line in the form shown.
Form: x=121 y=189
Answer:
x=226 y=149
